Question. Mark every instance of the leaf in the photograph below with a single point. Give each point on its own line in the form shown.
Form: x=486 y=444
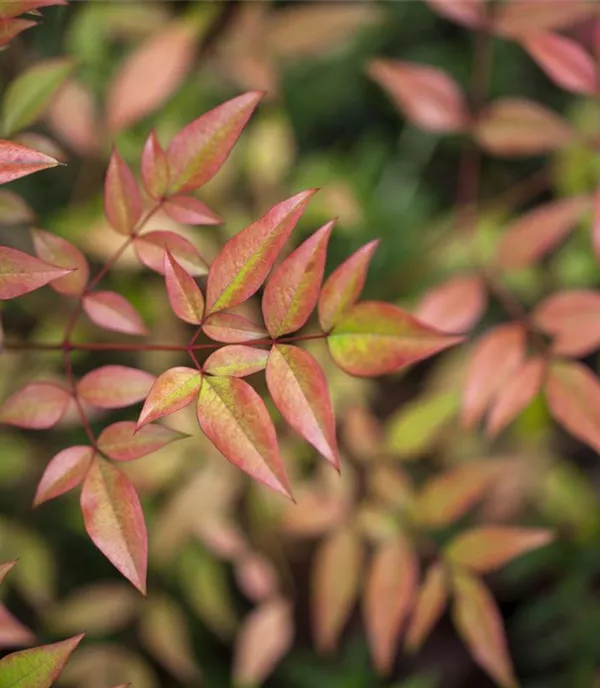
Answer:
x=64 y=472
x=265 y=637
x=299 y=389
x=426 y=96
x=9 y=28
x=538 y=231
x=57 y=251
x=150 y=75
x=185 y=296
x=246 y=259
x=573 y=396
x=455 y=305
x=154 y=167
x=114 y=520
x=292 y=291
x=38 y=406
x=122 y=198
x=572 y=319
x=123 y=441
x=188 y=210
x=12 y=8
x=377 y=338
x=429 y=606
x=73 y=118
x=21 y=273
x=28 y=95
x=517 y=127
x=343 y=287
x=495 y=357
x=199 y=150
x=38 y=667
x=336 y=573
x=596 y=223
x=479 y=624
x=170 y=392
x=389 y=593
x=564 y=60
x=5 y=568
x=115 y=386
x=111 y=311
x=470 y=13
x=150 y=249
x=14 y=210
x=487 y=548
x=522 y=17
x=235 y=419
x=236 y=360
x=231 y=328
x=12 y=632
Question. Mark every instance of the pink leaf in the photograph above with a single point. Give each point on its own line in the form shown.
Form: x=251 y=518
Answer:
x=150 y=249
x=455 y=305
x=21 y=273
x=343 y=287
x=114 y=520
x=18 y=161
x=299 y=389
x=293 y=289
x=235 y=419
x=188 y=210
x=57 y=251
x=64 y=472
x=185 y=296
x=72 y=117
x=171 y=391
x=236 y=360
x=154 y=167
x=199 y=150
x=469 y=13
x=246 y=259
x=231 y=328
x=122 y=198
x=38 y=406
x=427 y=96
x=522 y=17
x=124 y=441
x=429 y=606
x=12 y=632
x=115 y=386
x=9 y=28
x=111 y=311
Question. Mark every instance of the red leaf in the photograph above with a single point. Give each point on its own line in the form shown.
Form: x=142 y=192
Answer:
x=235 y=419
x=188 y=210
x=64 y=472
x=520 y=127
x=150 y=249
x=114 y=520
x=538 y=231
x=455 y=305
x=199 y=150
x=185 y=296
x=427 y=96
x=469 y=13
x=521 y=17
x=564 y=60
x=572 y=318
x=376 y=338
x=246 y=259
x=154 y=167
x=573 y=395
x=231 y=328
x=122 y=198
x=37 y=406
x=390 y=590
x=171 y=391
x=9 y=28
x=18 y=161
x=111 y=311
x=429 y=606
x=479 y=623
x=293 y=289
x=236 y=360
x=5 y=568
x=57 y=251
x=343 y=287
x=495 y=357
x=21 y=273
x=124 y=441
x=12 y=632
x=115 y=386
x=299 y=389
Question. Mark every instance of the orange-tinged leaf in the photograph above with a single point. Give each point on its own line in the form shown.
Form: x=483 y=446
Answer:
x=185 y=296
x=487 y=548
x=188 y=210
x=150 y=249
x=21 y=273
x=5 y=568
x=299 y=389
x=292 y=291
x=425 y=95
x=154 y=167
x=38 y=406
x=231 y=328
x=337 y=570
x=122 y=198
x=57 y=251
x=123 y=441
x=469 y=13
x=376 y=338
x=115 y=386
x=171 y=391
x=65 y=471
x=522 y=17
x=429 y=606
x=111 y=311
x=9 y=28
x=390 y=590
x=12 y=632
x=343 y=287
x=246 y=259
x=479 y=624
x=114 y=520
x=455 y=305
x=199 y=150
x=495 y=357
x=236 y=360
